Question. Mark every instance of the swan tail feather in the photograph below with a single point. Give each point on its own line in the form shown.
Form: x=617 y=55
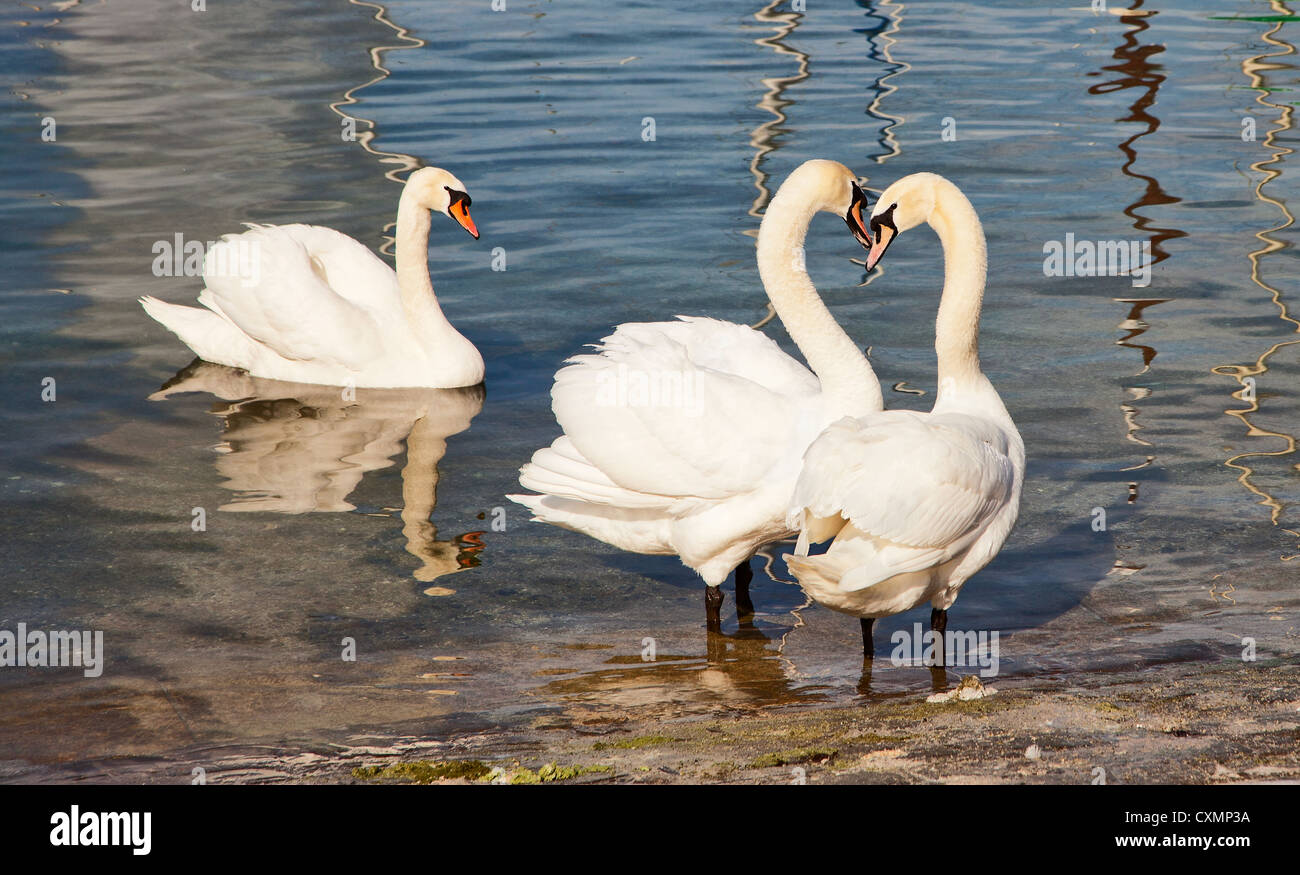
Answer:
x=211 y=337
x=560 y=470
x=801 y=546
x=633 y=529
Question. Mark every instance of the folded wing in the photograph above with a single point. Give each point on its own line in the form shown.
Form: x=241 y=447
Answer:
x=905 y=491
x=676 y=409
x=306 y=293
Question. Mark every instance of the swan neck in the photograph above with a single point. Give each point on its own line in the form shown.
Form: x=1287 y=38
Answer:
x=412 y=245
x=965 y=257
x=849 y=386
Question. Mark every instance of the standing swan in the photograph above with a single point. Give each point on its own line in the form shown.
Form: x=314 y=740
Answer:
x=685 y=438
x=916 y=502
x=312 y=305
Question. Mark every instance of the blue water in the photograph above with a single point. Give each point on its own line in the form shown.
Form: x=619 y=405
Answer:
x=1106 y=127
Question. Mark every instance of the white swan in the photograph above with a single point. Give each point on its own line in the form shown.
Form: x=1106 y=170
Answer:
x=684 y=438
x=916 y=502
x=311 y=305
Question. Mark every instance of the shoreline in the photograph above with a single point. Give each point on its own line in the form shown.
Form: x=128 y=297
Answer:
x=1218 y=723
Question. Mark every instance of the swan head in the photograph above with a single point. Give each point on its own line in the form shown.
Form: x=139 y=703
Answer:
x=907 y=203
x=833 y=188
x=437 y=191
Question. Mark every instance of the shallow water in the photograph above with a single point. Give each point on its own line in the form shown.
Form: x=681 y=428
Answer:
x=1132 y=400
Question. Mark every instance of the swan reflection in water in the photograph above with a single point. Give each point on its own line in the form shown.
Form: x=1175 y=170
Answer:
x=302 y=448
x=741 y=668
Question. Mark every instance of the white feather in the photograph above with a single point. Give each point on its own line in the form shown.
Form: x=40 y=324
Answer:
x=309 y=304
x=915 y=503
x=686 y=437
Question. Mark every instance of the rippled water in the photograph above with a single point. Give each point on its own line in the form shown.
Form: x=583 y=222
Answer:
x=1120 y=126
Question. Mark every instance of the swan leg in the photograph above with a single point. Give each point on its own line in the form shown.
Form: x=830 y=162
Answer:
x=868 y=650
x=713 y=608
x=744 y=574
x=938 y=625
x=939 y=620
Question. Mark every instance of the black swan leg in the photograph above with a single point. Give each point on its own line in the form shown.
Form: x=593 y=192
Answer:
x=713 y=608
x=744 y=574
x=939 y=625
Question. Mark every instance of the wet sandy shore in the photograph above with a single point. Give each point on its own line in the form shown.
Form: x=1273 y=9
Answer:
x=1229 y=722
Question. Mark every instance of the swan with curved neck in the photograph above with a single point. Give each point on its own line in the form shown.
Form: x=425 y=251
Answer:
x=705 y=472
x=916 y=503
x=311 y=305
x=847 y=380
x=927 y=198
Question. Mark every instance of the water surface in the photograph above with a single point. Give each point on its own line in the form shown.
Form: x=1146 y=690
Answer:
x=374 y=521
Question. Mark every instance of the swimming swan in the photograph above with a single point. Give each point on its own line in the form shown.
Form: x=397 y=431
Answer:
x=916 y=502
x=311 y=305
x=685 y=438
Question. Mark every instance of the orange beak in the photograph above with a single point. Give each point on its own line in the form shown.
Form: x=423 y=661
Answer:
x=460 y=213
x=884 y=236
x=883 y=232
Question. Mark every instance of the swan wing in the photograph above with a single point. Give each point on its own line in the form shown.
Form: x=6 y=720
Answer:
x=306 y=293
x=731 y=348
x=677 y=409
x=915 y=489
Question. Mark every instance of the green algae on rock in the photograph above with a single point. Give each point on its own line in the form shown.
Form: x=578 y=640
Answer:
x=425 y=771
x=634 y=743
x=554 y=772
